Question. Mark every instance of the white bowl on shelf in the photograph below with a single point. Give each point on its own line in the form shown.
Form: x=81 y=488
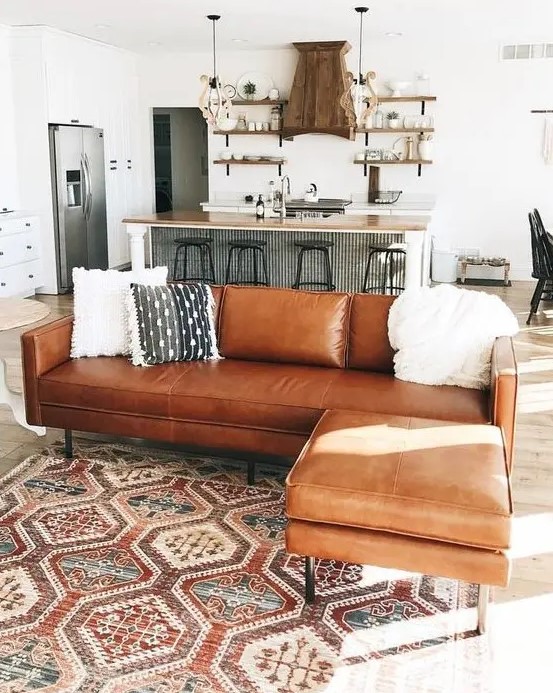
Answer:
x=397 y=87
x=226 y=124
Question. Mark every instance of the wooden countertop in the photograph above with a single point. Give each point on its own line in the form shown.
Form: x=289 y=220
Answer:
x=358 y=223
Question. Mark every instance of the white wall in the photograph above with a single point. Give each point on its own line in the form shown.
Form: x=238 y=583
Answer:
x=488 y=169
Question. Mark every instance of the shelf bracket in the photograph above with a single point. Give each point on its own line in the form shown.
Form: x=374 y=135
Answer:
x=280 y=140
x=228 y=169
x=226 y=141
x=419 y=170
x=280 y=170
x=366 y=139
x=423 y=104
x=365 y=170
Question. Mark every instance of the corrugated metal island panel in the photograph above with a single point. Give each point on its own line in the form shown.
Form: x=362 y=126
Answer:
x=348 y=256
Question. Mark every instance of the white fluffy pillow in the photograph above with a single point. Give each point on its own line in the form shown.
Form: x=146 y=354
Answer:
x=444 y=335
x=101 y=326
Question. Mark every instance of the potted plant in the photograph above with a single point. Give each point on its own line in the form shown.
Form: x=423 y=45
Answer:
x=393 y=119
x=249 y=90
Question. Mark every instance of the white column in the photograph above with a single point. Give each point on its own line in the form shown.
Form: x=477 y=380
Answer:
x=414 y=259
x=15 y=401
x=136 y=242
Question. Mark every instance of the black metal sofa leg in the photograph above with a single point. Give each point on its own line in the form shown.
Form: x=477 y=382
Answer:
x=68 y=450
x=251 y=472
x=309 y=579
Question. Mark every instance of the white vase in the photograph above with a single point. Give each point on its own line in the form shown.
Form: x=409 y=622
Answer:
x=425 y=150
x=394 y=123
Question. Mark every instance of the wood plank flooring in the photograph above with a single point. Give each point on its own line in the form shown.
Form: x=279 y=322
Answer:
x=520 y=620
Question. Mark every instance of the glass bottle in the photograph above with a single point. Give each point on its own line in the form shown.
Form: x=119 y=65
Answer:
x=260 y=208
x=271 y=197
x=378 y=119
x=241 y=124
x=276 y=120
x=423 y=84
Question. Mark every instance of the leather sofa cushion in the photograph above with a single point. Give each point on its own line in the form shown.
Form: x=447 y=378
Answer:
x=429 y=479
x=111 y=383
x=283 y=325
x=379 y=392
x=369 y=347
x=277 y=397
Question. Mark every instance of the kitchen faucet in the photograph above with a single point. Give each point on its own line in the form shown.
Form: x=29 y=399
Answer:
x=283 y=196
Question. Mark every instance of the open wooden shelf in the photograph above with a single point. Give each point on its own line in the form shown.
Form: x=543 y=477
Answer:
x=245 y=162
x=405 y=99
x=384 y=162
x=262 y=102
x=248 y=132
x=392 y=130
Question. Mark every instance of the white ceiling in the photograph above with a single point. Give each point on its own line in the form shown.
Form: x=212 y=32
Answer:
x=169 y=25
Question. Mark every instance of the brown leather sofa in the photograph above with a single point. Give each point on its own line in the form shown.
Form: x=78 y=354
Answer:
x=288 y=357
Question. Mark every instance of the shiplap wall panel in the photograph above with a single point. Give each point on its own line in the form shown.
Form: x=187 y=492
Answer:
x=348 y=256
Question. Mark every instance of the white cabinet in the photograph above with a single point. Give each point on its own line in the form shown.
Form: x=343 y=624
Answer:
x=20 y=263
x=118 y=118
x=71 y=79
x=8 y=165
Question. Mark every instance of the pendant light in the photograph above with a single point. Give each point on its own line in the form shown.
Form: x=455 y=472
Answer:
x=213 y=103
x=365 y=100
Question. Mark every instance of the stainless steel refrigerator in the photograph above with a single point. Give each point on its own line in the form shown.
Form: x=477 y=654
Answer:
x=79 y=194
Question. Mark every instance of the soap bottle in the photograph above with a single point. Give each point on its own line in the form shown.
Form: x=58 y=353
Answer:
x=260 y=208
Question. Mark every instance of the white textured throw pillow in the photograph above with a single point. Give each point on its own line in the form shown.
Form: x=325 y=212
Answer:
x=444 y=335
x=101 y=326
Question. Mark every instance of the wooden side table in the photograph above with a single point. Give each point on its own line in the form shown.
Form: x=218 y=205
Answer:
x=506 y=269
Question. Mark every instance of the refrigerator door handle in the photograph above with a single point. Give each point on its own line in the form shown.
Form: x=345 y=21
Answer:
x=84 y=179
x=88 y=191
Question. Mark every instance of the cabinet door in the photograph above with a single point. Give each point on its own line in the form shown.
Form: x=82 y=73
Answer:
x=72 y=80
x=8 y=176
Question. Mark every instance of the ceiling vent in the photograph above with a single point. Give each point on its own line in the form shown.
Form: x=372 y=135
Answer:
x=526 y=51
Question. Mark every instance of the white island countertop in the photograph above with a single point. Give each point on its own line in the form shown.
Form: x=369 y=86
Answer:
x=415 y=204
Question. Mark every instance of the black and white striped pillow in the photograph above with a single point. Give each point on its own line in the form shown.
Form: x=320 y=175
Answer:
x=172 y=323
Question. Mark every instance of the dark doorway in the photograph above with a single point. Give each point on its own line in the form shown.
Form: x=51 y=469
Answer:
x=180 y=159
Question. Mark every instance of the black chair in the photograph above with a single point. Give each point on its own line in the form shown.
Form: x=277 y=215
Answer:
x=240 y=250
x=322 y=249
x=542 y=263
x=207 y=268
x=394 y=259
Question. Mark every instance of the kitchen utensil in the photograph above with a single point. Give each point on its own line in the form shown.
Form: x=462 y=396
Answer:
x=226 y=155
x=263 y=84
x=274 y=94
x=238 y=157
x=252 y=157
x=397 y=86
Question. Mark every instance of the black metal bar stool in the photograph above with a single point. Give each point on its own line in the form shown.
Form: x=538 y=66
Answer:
x=394 y=259
x=321 y=248
x=240 y=249
x=206 y=259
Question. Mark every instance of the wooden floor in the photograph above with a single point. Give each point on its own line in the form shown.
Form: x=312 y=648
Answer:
x=521 y=619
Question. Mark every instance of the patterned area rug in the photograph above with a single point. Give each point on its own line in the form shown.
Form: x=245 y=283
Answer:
x=129 y=570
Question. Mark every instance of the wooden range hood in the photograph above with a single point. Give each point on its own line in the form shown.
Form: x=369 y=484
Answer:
x=319 y=100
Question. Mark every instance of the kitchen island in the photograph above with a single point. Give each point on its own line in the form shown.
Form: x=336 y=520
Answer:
x=351 y=235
